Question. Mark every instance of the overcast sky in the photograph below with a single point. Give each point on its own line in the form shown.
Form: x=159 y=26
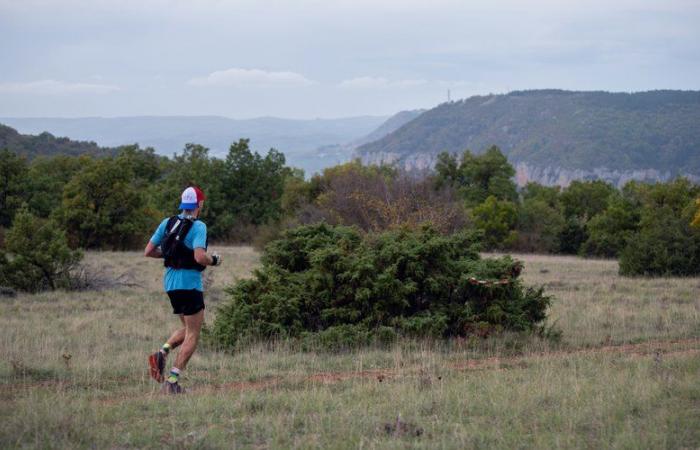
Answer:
x=327 y=58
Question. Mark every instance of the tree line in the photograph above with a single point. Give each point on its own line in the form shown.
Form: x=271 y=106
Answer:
x=115 y=203
x=649 y=227
x=51 y=208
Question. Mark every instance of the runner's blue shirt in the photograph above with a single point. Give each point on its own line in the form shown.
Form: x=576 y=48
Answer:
x=183 y=278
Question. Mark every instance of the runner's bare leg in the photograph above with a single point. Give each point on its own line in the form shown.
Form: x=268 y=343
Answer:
x=178 y=335
x=193 y=327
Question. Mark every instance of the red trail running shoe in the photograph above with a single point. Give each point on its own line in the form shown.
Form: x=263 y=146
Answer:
x=156 y=363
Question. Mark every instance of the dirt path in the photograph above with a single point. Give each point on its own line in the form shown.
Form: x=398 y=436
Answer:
x=658 y=349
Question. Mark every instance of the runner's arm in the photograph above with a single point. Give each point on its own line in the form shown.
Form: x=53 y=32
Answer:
x=199 y=243
x=152 y=251
x=152 y=248
x=200 y=255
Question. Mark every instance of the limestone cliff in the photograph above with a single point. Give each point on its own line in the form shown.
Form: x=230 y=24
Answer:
x=546 y=175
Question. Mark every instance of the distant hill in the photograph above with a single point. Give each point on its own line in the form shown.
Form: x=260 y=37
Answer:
x=330 y=155
x=555 y=136
x=168 y=135
x=45 y=144
x=309 y=144
x=392 y=124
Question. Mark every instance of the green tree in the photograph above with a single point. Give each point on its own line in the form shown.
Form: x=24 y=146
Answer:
x=13 y=174
x=195 y=167
x=36 y=255
x=676 y=194
x=146 y=166
x=585 y=199
x=46 y=179
x=610 y=231
x=321 y=183
x=243 y=191
x=191 y=167
x=540 y=226
x=547 y=194
x=102 y=207
x=664 y=243
x=478 y=176
x=253 y=185
x=447 y=171
x=295 y=193
x=580 y=202
x=496 y=219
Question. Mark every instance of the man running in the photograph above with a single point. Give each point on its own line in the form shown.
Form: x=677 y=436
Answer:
x=182 y=241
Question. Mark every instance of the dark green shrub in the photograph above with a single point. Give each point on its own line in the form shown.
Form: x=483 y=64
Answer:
x=346 y=288
x=580 y=202
x=664 y=246
x=477 y=176
x=573 y=234
x=36 y=255
x=585 y=199
x=496 y=219
x=610 y=231
x=539 y=227
x=665 y=243
x=13 y=184
x=104 y=207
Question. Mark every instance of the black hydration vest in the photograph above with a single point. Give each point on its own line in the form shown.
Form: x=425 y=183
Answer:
x=175 y=253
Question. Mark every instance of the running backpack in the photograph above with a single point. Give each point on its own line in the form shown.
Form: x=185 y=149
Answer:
x=175 y=253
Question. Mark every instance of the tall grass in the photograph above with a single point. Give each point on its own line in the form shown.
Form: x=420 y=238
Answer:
x=73 y=373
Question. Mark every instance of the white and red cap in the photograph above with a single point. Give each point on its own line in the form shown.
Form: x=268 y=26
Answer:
x=191 y=198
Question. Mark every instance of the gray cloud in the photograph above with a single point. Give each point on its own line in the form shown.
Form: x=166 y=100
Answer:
x=310 y=58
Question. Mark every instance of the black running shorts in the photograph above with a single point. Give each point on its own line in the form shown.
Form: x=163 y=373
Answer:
x=186 y=301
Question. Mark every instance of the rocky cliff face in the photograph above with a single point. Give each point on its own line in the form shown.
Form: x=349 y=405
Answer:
x=551 y=176
x=410 y=163
x=548 y=176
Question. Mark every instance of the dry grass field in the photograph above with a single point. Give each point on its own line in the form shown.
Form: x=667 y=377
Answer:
x=625 y=374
